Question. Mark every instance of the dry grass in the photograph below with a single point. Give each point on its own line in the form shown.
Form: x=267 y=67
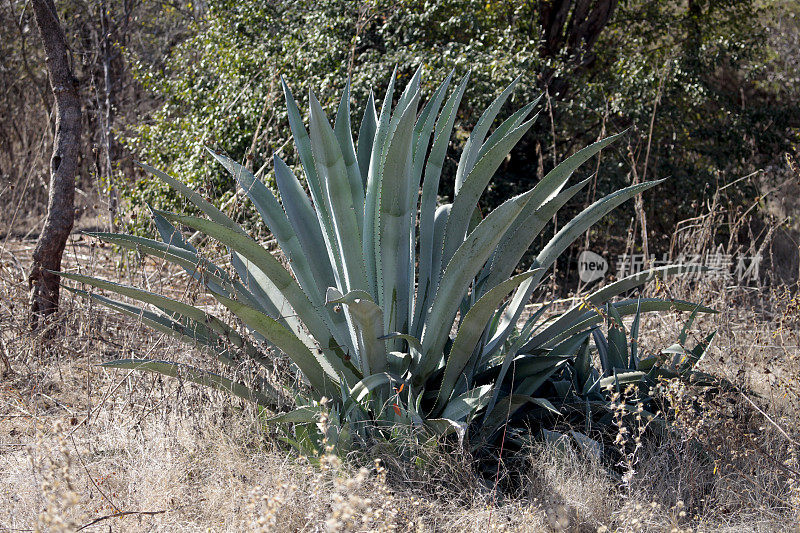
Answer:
x=79 y=443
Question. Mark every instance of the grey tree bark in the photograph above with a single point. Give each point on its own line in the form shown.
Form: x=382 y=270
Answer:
x=43 y=285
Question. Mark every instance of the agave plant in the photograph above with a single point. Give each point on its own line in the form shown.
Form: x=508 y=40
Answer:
x=584 y=392
x=394 y=308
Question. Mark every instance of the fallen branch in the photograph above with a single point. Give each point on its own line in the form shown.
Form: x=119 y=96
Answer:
x=119 y=514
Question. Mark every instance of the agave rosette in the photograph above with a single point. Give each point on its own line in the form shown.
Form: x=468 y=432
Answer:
x=380 y=275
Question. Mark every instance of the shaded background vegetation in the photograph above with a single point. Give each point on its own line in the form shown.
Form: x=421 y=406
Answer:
x=707 y=89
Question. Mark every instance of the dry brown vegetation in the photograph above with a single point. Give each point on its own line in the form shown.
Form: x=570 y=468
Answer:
x=85 y=447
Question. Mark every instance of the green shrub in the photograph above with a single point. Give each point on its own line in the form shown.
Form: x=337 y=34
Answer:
x=701 y=68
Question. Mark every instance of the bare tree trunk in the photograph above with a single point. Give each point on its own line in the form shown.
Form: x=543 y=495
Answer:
x=63 y=165
x=574 y=25
x=571 y=27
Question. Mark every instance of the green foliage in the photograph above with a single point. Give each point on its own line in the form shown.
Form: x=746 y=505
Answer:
x=380 y=277
x=701 y=73
x=598 y=401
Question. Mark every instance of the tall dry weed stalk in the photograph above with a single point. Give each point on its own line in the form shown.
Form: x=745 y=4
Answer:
x=60 y=506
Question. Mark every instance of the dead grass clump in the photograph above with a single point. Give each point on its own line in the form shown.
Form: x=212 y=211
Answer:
x=59 y=501
x=572 y=488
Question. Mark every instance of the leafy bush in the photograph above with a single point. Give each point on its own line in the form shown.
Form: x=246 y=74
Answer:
x=381 y=277
x=693 y=74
